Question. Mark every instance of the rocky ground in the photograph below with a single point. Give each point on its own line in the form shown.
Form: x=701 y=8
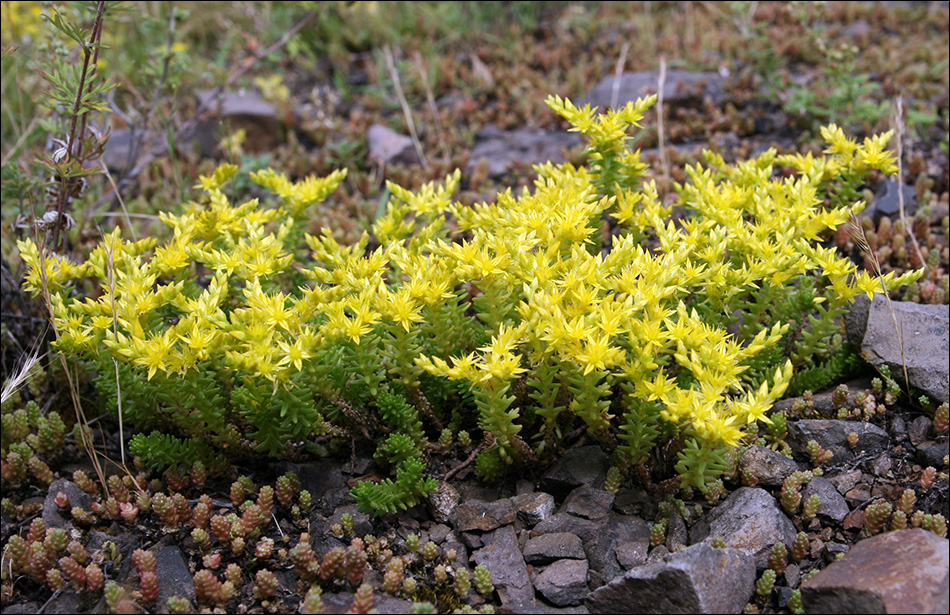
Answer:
x=553 y=539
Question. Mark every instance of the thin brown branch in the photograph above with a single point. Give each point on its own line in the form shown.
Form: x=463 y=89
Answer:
x=72 y=152
x=468 y=461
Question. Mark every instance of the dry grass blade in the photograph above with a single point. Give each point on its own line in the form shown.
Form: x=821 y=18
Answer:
x=618 y=71
x=70 y=376
x=110 y=255
x=433 y=108
x=394 y=74
x=856 y=231
x=22 y=375
x=659 y=122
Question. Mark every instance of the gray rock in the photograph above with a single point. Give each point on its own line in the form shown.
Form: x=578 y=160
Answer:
x=27 y=608
x=847 y=481
x=677 y=536
x=770 y=467
x=590 y=503
x=585 y=529
x=887 y=200
x=697 y=579
x=544 y=609
x=833 y=549
x=123 y=144
x=637 y=502
x=387 y=146
x=483 y=516
x=919 y=430
x=679 y=86
x=833 y=505
x=443 y=501
x=453 y=541
x=548 y=548
x=502 y=556
x=658 y=555
x=438 y=533
x=631 y=554
x=232 y=111
x=618 y=530
x=318 y=478
x=793 y=575
x=175 y=579
x=60 y=602
x=926 y=332
x=897 y=572
x=52 y=515
x=749 y=519
x=880 y=465
x=833 y=435
x=532 y=508
x=931 y=453
x=382 y=603
x=586 y=465
x=858 y=29
x=563 y=583
x=502 y=149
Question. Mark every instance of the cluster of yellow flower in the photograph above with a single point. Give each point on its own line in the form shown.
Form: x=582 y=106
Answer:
x=545 y=295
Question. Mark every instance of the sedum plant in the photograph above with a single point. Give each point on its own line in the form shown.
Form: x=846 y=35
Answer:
x=511 y=317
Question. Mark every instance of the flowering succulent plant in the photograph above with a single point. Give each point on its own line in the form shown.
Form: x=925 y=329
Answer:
x=512 y=316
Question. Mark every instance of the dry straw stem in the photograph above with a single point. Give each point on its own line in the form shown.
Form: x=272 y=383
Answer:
x=433 y=108
x=110 y=256
x=70 y=377
x=860 y=239
x=664 y=162
x=394 y=74
x=18 y=379
x=618 y=71
x=118 y=196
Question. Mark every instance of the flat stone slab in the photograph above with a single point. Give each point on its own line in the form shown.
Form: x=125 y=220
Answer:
x=483 y=516
x=770 y=467
x=501 y=149
x=832 y=434
x=697 y=579
x=906 y=571
x=502 y=556
x=833 y=506
x=243 y=109
x=533 y=508
x=750 y=519
x=387 y=146
x=590 y=503
x=548 y=548
x=563 y=583
x=926 y=348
